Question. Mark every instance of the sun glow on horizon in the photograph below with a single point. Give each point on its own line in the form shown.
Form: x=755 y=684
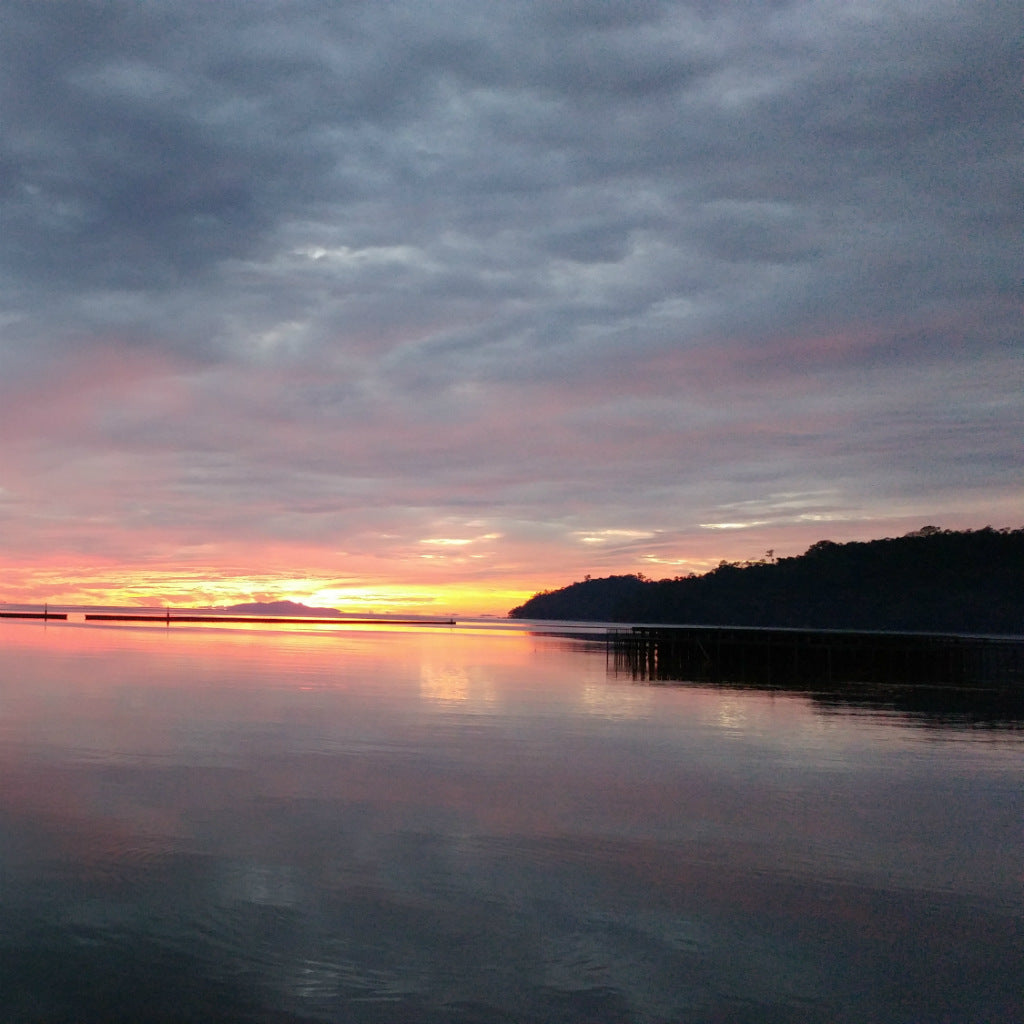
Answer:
x=435 y=574
x=198 y=589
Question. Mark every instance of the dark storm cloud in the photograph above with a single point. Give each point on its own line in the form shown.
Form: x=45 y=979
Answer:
x=592 y=247
x=147 y=144
x=124 y=173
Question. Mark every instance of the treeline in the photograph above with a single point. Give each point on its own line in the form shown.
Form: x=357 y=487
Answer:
x=930 y=580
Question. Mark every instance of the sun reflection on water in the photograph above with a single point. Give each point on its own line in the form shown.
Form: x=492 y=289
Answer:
x=453 y=684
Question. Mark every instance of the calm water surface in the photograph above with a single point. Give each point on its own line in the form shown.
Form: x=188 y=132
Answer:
x=369 y=825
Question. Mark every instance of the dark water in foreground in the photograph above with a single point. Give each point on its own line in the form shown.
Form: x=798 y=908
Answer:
x=370 y=825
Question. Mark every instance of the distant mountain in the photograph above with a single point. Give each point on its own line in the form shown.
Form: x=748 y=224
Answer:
x=930 y=580
x=284 y=609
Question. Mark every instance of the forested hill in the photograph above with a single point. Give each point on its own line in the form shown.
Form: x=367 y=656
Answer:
x=930 y=580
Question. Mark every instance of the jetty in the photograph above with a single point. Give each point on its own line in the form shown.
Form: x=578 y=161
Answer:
x=302 y=620
x=816 y=658
x=34 y=615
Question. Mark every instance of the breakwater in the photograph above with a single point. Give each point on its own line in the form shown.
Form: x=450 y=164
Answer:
x=304 y=620
x=34 y=615
x=816 y=659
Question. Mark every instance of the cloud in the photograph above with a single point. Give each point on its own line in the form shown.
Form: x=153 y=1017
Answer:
x=288 y=269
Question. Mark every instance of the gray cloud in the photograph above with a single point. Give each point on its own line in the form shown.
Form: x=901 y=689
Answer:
x=529 y=251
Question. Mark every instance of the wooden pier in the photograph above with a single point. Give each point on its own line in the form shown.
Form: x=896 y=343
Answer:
x=816 y=659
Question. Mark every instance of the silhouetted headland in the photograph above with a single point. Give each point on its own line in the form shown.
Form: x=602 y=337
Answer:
x=931 y=580
x=289 y=609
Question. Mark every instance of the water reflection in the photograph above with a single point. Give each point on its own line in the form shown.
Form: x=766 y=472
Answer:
x=454 y=685
x=924 y=680
x=615 y=702
x=264 y=826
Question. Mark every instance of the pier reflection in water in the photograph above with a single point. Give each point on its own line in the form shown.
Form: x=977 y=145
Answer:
x=966 y=678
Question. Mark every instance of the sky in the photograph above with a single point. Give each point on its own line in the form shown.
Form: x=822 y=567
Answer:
x=428 y=305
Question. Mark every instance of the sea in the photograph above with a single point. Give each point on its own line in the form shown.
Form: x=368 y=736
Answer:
x=486 y=822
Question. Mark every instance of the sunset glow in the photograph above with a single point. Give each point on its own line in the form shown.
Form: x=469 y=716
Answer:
x=580 y=289
x=206 y=588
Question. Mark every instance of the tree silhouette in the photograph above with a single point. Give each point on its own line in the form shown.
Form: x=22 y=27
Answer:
x=930 y=580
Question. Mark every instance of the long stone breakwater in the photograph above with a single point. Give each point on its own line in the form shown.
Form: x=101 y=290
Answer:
x=168 y=617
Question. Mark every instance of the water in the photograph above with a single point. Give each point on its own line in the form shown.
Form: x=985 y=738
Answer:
x=285 y=824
